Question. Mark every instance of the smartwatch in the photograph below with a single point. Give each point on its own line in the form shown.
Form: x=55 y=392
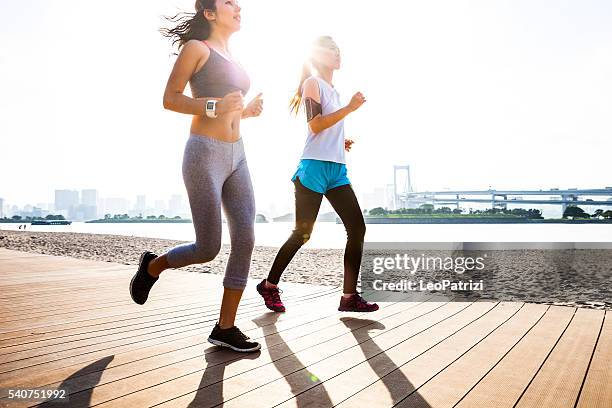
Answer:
x=211 y=109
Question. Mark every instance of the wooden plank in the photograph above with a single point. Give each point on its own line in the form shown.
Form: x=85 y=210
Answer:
x=388 y=378
x=597 y=389
x=447 y=387
x=182 y=379
x=100 y=302
x=154 y=357
x=120 y=292
x=341 y=384
x=116 y=380
x=26 y=268
x=11 y=253
x=290 y=375
x=86 y=315
x=28 y=358
x=151 y=308
x=176 y=285
x=150 y=314
x=56 y=360
x=504 y=384
x=559 y=380
x=74 y=342
x=305 y=319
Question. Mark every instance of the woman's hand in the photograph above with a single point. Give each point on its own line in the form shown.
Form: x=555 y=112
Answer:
x=348 y=143
x=356 y=101
x=253 y=108
x=232 y=102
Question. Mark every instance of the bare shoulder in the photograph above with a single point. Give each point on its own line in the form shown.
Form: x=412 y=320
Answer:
x=311 y=82
x=195 y=48
x=310 y=89
x=194 y=53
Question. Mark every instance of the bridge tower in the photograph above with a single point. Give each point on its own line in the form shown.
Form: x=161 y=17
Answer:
x=399 y=197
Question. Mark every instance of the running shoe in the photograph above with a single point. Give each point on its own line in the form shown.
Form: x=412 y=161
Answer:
x=355 y=303
x=271 y=297
x=142 y=282
x=232 y=338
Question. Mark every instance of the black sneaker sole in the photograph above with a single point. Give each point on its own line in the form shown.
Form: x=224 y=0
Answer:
x=223 y=344
x=340 y=309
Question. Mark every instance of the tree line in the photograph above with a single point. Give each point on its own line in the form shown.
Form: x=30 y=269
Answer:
x=573 y=212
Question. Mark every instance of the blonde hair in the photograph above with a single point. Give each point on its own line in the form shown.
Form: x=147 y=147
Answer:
x=322 y=42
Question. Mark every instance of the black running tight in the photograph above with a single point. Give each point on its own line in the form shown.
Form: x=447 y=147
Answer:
x=307 y=204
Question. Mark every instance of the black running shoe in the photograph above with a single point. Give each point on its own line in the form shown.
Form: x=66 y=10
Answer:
x=232 y=338
x=142 y=282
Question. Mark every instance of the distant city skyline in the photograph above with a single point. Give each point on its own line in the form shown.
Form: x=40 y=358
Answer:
x=88 y=204
x=79 y=205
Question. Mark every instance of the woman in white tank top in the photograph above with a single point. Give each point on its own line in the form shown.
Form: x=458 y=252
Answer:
x=322 y=172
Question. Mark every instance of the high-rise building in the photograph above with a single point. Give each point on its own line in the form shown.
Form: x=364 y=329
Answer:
x=88 y=210
x=2 y=208
x=160 y=207
x=44 y=206
x=65 y=200
x=141 y=203
x=89 y=197
x=175 y=205
x=37 y=212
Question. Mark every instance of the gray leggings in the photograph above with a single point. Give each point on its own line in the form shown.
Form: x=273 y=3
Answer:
x=216 y=174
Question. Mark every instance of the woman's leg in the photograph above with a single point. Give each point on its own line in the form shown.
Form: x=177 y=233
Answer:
x=345 y=203
x=204 y=171
x=239 y=205
x=229 y=307
x=205 y=168
x=307 y=204
x=158 y=265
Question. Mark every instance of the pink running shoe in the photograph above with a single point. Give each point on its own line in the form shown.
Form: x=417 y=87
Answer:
x=356 y=303
x=271 y=297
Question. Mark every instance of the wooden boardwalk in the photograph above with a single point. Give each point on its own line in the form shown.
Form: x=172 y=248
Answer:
x=70 y=324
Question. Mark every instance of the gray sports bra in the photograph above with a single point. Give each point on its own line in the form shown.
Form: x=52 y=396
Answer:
x=218 y=77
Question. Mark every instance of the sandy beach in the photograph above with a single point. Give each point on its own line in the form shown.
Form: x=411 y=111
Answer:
x=315 y=266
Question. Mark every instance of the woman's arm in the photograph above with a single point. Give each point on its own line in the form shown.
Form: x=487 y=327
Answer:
x=192 y=53
x=183 y=69
x=312 y=100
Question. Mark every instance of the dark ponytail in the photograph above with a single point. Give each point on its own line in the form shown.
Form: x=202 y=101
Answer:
x=190 y=26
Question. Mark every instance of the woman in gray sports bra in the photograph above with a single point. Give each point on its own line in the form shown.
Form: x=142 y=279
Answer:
x=214 y=166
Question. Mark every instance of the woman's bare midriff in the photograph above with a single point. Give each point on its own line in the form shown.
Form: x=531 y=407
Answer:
x=225 y=128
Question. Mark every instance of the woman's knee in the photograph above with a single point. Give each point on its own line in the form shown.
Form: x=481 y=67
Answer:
x=238 y=267
x=356 y=230
x=301 y=234
x=206 y=252
x=243 y=239
x=235 y=282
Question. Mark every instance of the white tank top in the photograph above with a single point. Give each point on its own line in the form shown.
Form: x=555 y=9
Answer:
x=327 y=145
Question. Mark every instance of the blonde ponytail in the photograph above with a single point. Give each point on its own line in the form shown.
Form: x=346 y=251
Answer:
x=296 y=101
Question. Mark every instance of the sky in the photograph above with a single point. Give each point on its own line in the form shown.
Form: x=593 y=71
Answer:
x=471 y=94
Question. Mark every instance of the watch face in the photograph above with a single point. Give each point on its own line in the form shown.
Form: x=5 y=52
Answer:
x=210 y=105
